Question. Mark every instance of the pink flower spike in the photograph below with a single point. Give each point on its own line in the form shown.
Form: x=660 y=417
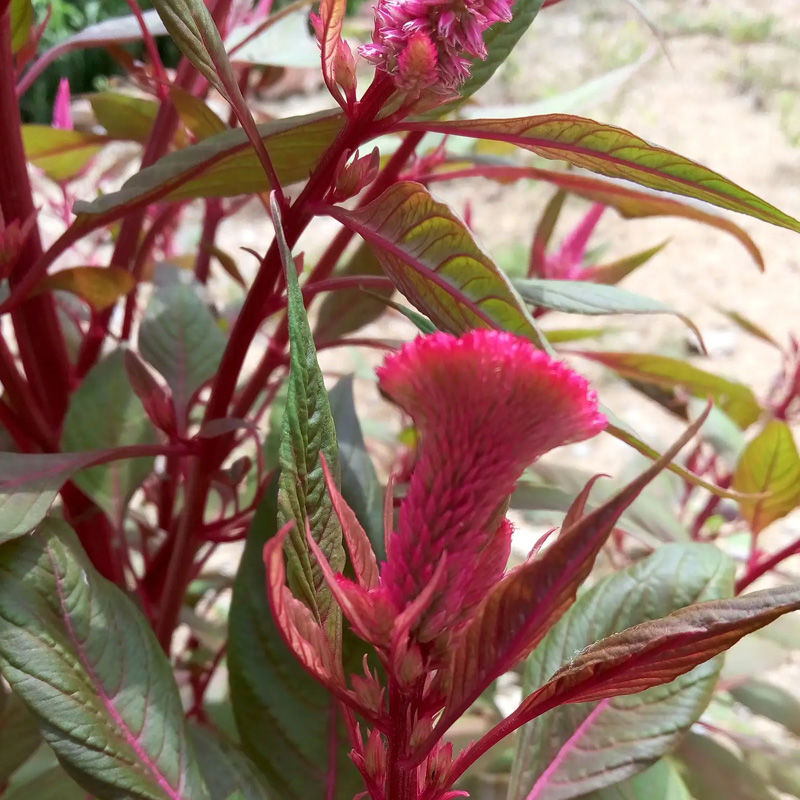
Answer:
x=62 y=111
x=486 y=405
x=568 y=262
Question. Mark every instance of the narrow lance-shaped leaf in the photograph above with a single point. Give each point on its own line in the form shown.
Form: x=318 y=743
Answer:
x=628 y=202
x=616 y=153
x=769 y=464
x=585 y=297
x=308 y=432
x=433 y=259
x=283 y=715
x=579 y=747
x=331 y=14
x=222 y=165
x=22 y=18
x=736 y=399
x=656 y=652
x=530 y=599
x=85 y=660
x=646 y=655
x=125 y=116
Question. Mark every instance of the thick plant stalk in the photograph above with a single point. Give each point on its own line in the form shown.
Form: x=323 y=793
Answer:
x=39 y=337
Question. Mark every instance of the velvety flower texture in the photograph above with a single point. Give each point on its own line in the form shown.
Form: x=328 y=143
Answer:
x=486 y=405
x=426 y=44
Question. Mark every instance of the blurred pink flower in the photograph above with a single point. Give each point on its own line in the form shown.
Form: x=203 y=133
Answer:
x=568 y=263
x=62 y=112
x=427 y=44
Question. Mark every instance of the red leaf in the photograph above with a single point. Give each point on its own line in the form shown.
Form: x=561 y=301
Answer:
x=530 y=599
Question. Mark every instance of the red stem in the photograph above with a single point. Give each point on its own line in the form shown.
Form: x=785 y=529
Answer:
x=183 y=546
x=756 y=570
x=39 y=336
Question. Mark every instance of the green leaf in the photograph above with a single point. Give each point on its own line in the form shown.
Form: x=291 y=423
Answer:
x=662 y=781
x=770 y=463
x=585 y=297
x=434 y=261
x=29 y=483
x=736 y=399
x=344 y=311
x=615 y=271
x=54 y=784
x=500 y=40
x=192 y=28
x=86 y=662
x=580 y=748
x=360 y=486
x=181 y=339
x=748 y=326
x=100 y=287
x=770 y=701
x=615 y=153
x=713 y=772
x=124 y=116
x=195 y=114
x=223 y=165
x=22 y=18
x=61 y=153
x=282 y=714
x=105 y=412
x=308 y=434
x=19 y=734
x=226 y=769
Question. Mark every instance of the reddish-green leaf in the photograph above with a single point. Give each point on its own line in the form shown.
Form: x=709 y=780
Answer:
x=195 y=114
x=616 y=153
x=308 y=434
x=576 y=748
x=105 y=412
x=100 y=287
x=529 y=600
x=61 y=153
x=223 y=165
x=433 y=259
x=84 y=658
x=29 y=483
x=331 y=13
x=770 y=463
x=124 y=116
x=656 y=652
x=282 y=714
x=736 y=399
x=748 y=326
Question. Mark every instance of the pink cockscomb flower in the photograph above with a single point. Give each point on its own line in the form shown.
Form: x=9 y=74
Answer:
x=427 y=44
x=486 y=406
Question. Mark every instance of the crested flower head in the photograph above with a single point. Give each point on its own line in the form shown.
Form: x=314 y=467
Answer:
x=427 y=44
x=486 y=406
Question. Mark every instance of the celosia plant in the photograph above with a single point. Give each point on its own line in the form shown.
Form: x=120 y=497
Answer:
x=136 y=401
